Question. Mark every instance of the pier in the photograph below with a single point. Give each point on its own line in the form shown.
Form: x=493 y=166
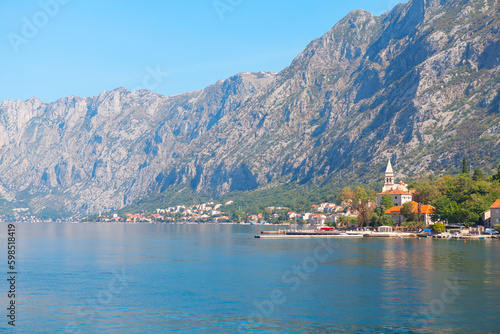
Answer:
x=290 y=234
x=283 y=234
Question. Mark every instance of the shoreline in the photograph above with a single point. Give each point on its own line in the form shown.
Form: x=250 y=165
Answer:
x=290 y=234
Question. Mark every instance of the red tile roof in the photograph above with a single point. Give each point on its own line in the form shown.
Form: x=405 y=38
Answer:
x=395 y=192
x=495 y=205
x=423 y=208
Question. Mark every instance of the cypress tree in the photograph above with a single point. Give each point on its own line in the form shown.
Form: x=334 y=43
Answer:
x=497 y=175
x=478 y=175
x=465 y=166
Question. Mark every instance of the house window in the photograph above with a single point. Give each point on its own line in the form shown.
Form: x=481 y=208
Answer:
x=497 y=211
x=395 y=197
x=497 y=220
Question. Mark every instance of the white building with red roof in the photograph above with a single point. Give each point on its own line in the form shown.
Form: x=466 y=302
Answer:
x=398 y=192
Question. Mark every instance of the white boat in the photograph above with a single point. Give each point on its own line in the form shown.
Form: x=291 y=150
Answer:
x=258 y=223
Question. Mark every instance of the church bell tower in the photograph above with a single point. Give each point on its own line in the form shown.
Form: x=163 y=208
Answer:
x=389 y=177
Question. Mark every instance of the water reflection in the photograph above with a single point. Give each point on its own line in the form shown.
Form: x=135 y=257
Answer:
x=188 y=277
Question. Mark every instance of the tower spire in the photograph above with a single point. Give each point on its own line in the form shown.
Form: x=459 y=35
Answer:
x=389 y=168
x=389 y=177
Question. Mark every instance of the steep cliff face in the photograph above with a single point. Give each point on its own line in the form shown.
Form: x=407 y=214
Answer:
x=89 y=154
x=419 y=84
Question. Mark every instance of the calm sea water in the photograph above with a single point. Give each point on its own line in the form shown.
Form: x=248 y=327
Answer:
x=117 y=278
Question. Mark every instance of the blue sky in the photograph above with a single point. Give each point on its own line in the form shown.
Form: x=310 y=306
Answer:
x=56 y=48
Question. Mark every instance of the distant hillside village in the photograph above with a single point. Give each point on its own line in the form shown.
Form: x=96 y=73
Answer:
x=22 y=215
x=210 y=212
x=396 y=206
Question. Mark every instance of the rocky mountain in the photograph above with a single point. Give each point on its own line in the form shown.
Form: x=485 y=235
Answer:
x=419 y=84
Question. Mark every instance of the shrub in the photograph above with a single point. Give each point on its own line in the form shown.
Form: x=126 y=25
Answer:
x=438 y=228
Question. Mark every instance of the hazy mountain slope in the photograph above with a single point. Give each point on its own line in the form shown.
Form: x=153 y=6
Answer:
x=95 y=153
x=419 y=84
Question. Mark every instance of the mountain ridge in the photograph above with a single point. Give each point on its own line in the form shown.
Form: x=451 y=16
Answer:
x=416 y=85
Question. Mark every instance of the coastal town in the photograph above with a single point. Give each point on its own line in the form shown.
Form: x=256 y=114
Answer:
x=470 y=205
x=396 y=208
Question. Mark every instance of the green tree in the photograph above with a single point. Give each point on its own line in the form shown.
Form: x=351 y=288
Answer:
x=438 y=228
x=496 y=177
x=346 y=196
x=426 y=193
x=446 y=210
x=343 y=221
x=363 y=203
x=374 y=219
x=408 y=212
x=353 y=221
x=478 y=175
x=465 y=166
x=386 y=220
x=331 y=224
x=458 y=189
x=386 y=202
x=267 y=215
x=238 y=216
x=474 y=207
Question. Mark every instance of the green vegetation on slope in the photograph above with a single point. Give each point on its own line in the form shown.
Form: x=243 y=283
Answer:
x=292 y=195
x=460 y=199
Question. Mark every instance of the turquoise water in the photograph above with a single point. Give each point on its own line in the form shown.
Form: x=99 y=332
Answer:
x=116 y=278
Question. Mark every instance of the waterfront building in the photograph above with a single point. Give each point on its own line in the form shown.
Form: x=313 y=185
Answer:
x=491 y=217
x=424 y=212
